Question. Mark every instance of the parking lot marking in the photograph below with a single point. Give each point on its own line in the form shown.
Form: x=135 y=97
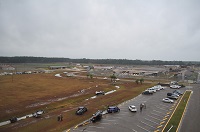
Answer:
x=158 y=111
x=162 y=108
x=162 y=122
x=168 y=113
x=157 y=130
x=164 y=119
x=164 y=105
x=154 y=117
x=147 y=124
x=157 y=115
x=151 y=121
x=159 y=126
x=105 y=123
x=166 y=116
x=134 y=130
x=143 y=128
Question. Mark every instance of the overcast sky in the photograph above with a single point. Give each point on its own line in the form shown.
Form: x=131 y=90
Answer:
x=101 y=29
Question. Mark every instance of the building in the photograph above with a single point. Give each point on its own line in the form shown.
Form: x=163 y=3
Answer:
x=6 y=67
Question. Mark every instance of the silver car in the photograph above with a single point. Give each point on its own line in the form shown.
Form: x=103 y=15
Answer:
x=167 y=100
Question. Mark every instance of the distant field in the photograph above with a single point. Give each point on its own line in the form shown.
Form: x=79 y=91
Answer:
x=27 y=92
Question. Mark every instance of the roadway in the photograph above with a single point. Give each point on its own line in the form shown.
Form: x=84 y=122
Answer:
x=191 y=119
x=153 y=118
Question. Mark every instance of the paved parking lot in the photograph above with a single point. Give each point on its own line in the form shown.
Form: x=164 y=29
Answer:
x=153 y=118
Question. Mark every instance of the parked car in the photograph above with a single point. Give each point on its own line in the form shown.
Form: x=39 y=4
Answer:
x=169 y=94
x=147 y=93
x=151 y=90
x=158 y=87
x=172 y=97
x=113 y=109
x=132 y=108
x=175 y=86
x=38 y=113
x=178 y=92
x=100 y=93
x=167 y=100
x=97 y=116
x=81 y=110
x=13 y=119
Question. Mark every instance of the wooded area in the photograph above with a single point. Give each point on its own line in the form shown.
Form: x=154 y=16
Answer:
x=27 y=59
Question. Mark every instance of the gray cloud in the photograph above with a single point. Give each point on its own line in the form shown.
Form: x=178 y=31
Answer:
x=131 y=29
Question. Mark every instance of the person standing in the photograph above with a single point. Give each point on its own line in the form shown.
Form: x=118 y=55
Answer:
x=141 y=107
x=61 y=117
x=58 y=118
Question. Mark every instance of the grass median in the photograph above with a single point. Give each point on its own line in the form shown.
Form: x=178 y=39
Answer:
x=177 y=116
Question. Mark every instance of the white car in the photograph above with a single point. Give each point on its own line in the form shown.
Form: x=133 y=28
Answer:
x=100 y=93
x=167 y=100
x=151 y=90
x=160 y=87
x=38 y=113
x=132 y=108
x=175 y=86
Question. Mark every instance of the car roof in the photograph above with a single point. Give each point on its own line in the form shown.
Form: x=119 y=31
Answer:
x=112 y=106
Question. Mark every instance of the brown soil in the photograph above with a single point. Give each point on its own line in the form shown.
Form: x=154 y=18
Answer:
x=25 y=94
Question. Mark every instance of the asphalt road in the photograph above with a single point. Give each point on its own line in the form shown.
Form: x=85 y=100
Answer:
x=191 y=120
x=153 y=118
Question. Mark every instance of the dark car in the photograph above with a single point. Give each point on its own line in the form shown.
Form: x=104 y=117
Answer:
x=172 y=97
x=169 y=94
x=81 y=110
x=177 y=92
x=147 y=93
x=13 y=119
x=97 y=116
x=113 y=109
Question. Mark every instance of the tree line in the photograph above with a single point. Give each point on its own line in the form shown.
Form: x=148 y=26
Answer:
x=27 y=59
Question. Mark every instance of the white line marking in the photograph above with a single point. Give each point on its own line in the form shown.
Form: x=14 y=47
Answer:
x=147 y=124
x=157 y=115
x=162 y=108
x=143 y=128
x=134 y=130
x=164 y=105
x=154 y=118
x=158 y=111
x=151 y=121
